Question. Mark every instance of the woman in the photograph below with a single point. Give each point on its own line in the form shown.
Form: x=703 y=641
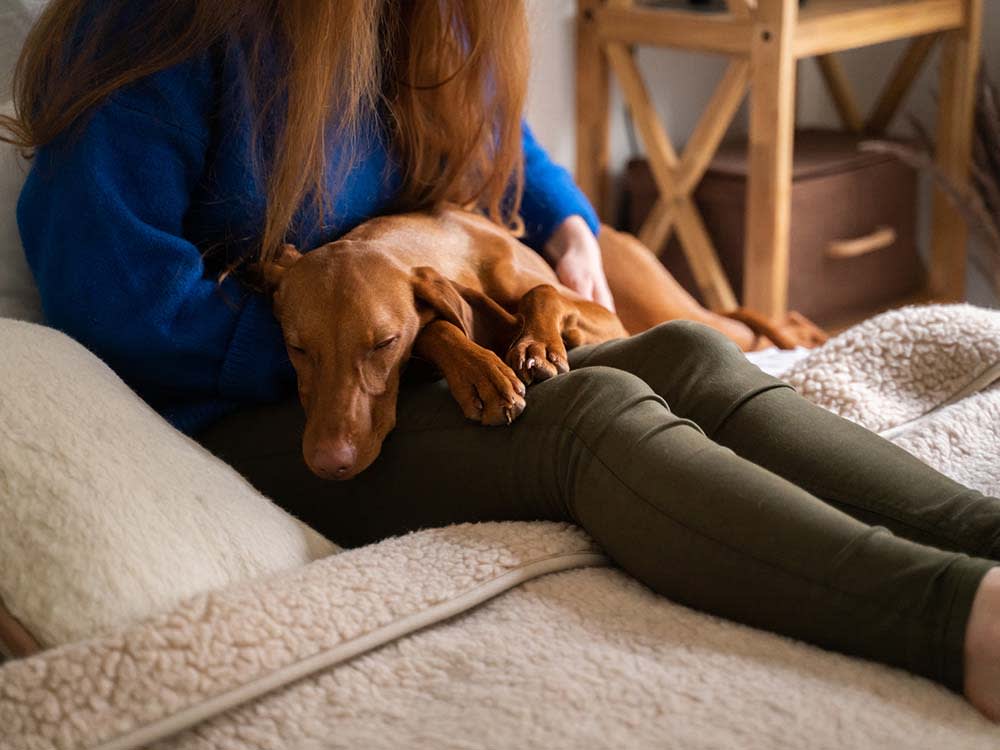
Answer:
x=174 y=140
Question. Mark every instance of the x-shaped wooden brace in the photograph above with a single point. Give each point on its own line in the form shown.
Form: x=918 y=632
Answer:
x=892 y=95
x=676 y=177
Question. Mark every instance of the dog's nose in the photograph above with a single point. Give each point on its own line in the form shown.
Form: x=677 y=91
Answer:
x=334 y=459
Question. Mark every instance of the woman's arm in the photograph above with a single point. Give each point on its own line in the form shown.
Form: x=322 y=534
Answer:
x=550 y=195
x=560 y=222
x=102 y=221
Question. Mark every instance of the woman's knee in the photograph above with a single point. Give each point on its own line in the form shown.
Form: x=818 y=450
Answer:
x=593 y=412
x=654 y=354
x=698 y=371
x=597 y=384
x=588 y=398
x=688 y=340
x=679 y=359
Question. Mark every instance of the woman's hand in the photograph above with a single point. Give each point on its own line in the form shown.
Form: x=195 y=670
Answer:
x=573 y=251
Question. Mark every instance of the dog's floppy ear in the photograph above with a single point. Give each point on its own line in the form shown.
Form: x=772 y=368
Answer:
x=440 y=298
x=271 y=272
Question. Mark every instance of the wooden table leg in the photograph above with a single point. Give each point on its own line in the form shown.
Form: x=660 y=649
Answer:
x=593 y=85
x=959 y=68
x=772 y=134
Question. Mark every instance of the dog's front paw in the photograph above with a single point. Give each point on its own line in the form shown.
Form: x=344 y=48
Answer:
x=486 y=389
x=535 y=358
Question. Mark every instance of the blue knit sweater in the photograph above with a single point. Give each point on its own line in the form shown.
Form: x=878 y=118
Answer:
x=116 y=216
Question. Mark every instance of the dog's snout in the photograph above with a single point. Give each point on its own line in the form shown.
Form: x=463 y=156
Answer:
x=334 y=459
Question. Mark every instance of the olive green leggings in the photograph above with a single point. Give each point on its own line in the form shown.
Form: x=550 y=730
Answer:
x=713 y=483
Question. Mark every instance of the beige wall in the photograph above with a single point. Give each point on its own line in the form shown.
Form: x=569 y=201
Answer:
x=682 y=83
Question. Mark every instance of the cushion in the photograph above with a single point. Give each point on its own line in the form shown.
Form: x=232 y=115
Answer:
x=18 y=295
x=107 y=513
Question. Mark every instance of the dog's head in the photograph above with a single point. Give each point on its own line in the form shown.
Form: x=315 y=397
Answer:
x=350 y=315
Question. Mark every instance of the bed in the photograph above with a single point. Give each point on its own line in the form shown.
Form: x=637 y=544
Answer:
x=519 y=634
x=152 y=598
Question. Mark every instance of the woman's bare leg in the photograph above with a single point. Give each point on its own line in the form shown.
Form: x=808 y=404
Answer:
x=982 y=648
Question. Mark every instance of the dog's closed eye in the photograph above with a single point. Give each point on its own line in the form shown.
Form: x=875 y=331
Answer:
x=386 y=342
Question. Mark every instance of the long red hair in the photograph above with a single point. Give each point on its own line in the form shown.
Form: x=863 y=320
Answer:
x=447 y=76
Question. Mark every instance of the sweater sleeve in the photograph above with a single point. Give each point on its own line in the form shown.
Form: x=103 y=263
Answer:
x=102 y=222
x=550 y=195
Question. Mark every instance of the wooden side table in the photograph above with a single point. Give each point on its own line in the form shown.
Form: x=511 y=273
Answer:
x=764 y=39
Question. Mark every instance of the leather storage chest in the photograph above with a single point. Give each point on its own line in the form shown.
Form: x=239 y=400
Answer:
x=853 y=228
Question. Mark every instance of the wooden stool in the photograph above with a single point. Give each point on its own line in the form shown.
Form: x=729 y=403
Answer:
x=765 y=39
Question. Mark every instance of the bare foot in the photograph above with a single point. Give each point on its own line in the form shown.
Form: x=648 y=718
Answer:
x=982 y=648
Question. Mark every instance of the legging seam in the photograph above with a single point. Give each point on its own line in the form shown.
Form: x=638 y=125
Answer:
x=833 y=496
x=827 y=495
x=866 y=600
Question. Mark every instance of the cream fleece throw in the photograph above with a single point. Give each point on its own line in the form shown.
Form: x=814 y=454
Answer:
x=353 y=650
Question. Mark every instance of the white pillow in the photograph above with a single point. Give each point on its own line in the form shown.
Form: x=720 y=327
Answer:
x=107 y=513
x=18 y=294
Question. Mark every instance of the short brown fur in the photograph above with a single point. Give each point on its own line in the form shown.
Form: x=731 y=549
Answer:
x=451 y=288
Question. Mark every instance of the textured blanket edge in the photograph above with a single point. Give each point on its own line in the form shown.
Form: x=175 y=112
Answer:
x=342 y=652
x=979 y=382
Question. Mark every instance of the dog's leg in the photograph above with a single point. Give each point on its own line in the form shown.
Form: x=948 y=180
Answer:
x=553 y=323
x=646 y=294
x=486 y=389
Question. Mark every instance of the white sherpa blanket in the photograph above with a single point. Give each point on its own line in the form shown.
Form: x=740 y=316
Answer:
x=352 y=650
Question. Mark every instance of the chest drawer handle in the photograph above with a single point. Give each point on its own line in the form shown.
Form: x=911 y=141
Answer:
x=881 y=237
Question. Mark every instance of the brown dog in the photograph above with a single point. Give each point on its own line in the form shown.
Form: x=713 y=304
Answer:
x=455 y=289
x=452 y=288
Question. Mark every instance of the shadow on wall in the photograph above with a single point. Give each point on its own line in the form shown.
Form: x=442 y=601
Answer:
x=16 y=17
